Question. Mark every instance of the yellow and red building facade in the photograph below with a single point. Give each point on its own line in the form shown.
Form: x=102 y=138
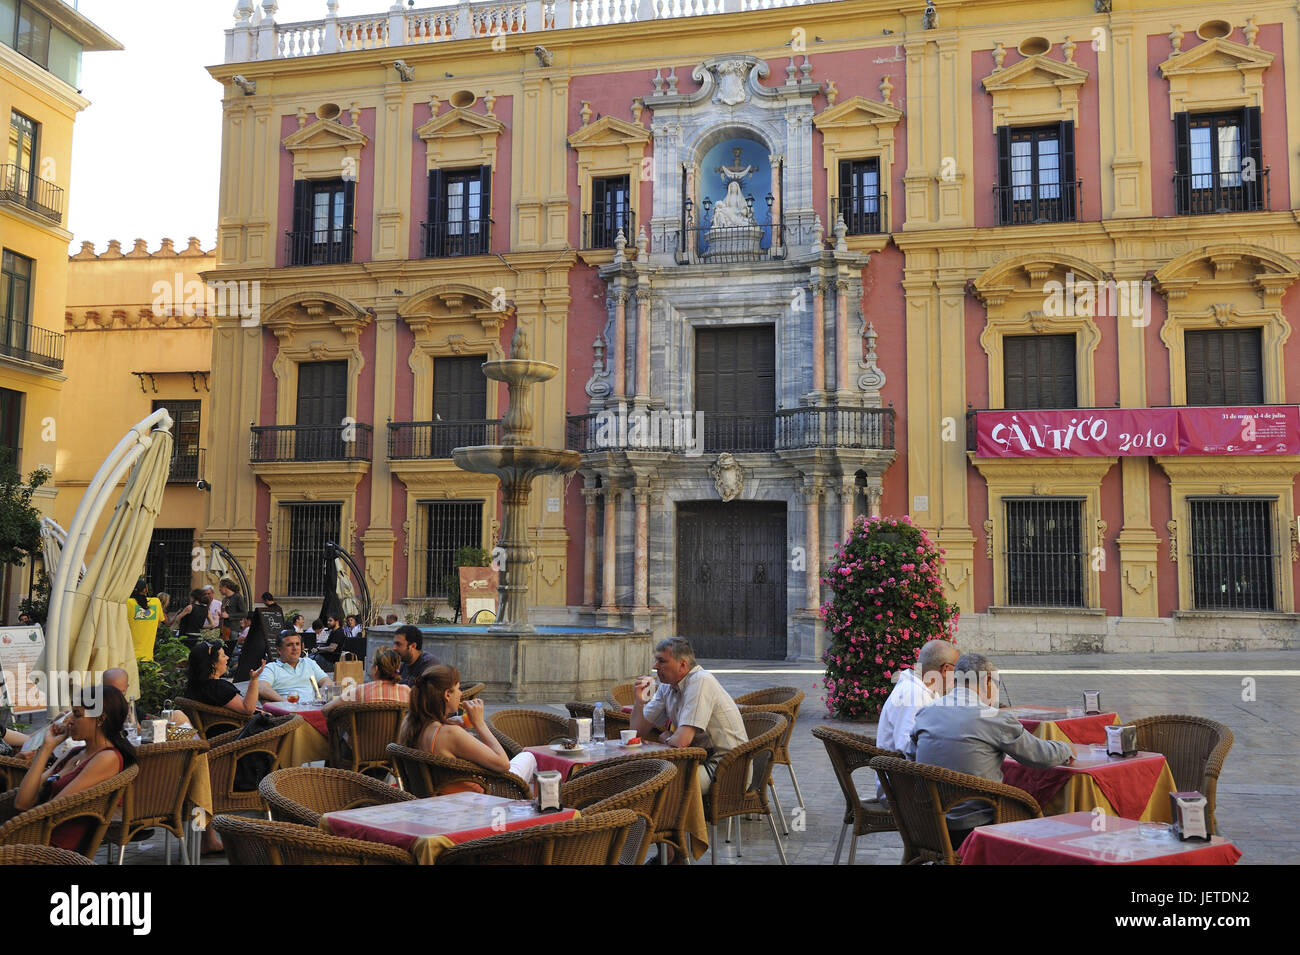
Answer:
x=795 y=265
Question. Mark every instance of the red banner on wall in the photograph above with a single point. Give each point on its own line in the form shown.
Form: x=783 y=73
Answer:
x=1137 y=432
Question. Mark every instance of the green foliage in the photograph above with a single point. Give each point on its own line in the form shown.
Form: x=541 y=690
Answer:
x=20 y=521
x=163 y=677
x=887 y=601
x=465 y=557
x=37 y=604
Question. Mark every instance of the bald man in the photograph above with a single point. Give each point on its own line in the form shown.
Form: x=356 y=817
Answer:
x=117 y=678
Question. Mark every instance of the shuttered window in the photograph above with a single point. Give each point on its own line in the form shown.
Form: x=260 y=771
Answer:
x=735 y=387
x=459 y=404
x=1036 y=178
x=859 y=200
x=460 y=212
x=322 y=222
x=322 y=406
x=1219 y=162
x=1224 y=367
x=1039 y=371
x=610 y=212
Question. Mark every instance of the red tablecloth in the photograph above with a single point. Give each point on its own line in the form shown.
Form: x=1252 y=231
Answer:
x=548 y=759
x=1072 y=840
x=1081 y=729
x=308 y=711
x=1126 y=783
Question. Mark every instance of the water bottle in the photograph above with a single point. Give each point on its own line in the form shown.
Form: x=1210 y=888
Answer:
x=132 y=726
x=598 y=724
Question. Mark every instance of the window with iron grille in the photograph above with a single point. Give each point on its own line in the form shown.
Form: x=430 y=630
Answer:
x=169 y=563
x=1224 y=367
x=441 y=529
x=1219 y=162
x=610 y=206
x=1233 y=554
x=299 y=559
x=860 y=195
x=322 y=222
x=1038 y=371
x=1036 y=174
x=460 y=212
x=186 y=434
x=1044 y=552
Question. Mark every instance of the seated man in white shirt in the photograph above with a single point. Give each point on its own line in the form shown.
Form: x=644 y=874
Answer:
x=291 y=673
x=935 y=666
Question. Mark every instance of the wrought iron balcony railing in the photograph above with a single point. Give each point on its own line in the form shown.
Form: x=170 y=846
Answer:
x=1034 y=205
x=291 y=442
x=419 y=440
x=863 y=215
x=19 y=186
x=1209 y=193
x=28 y=342
x=600 y=230
x=319 y=246
x=462 y=237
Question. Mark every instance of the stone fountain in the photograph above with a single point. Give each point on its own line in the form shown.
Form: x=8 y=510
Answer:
x=516 y=462
x=523 y=662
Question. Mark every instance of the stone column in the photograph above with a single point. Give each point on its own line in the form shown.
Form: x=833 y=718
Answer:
x=848 y=488
x=608 y=582
x=618 y=347
x=641 y=550
x=644 y=304
x=874 y=493
x=776 y=201
x=812 y=494
x=841 y=336
x=589 y=495
x=819 y=336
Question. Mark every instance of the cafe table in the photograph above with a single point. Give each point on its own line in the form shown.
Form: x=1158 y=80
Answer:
x=594 y=754
x=1135 y=787
x=310 y=741
x=1052 y=722
x=425 y=827
x=1082 y=838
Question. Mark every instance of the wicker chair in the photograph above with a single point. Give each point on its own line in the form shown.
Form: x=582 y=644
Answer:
x=615 y=719
x=358 y=733
x=259 y=842
x=36 y=826
x=226 y=751
x=471 y=692
x=785 y=700
x=849 y=752
x=41 y=855
x=639 y=785
x=1195 y=749
x=304 y=793
x=670 y=824
x=624 y=694
x=157 y=797
x=730 y=795
x=920 y=795
x=517 y=729
x=12 y=771
x=425 y=774
x=211 y=721
x=597 y=839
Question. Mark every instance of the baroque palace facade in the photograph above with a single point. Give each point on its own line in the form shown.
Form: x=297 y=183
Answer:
x=1011 y=270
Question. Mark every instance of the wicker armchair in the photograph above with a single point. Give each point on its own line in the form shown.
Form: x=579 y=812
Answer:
x=211 y=721
x=259 y=842
x=615 y=719
x=1195 y=749
x=226 y=751
x=639 y=785
x=358 y=733
x=36 y=826
x=670 y=823
x=304 y=793
x=849 y=752
x=12 y=771
x=41 y=855
x=157 y=797
x=597 y=839
x=785 y=700
x=730 y=794
x=425 y=774
x=623 y=694
x=516 y=729
x=471 y=692
x=920 y=795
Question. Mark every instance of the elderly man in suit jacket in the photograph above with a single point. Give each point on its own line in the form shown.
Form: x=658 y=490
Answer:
x=965 y=732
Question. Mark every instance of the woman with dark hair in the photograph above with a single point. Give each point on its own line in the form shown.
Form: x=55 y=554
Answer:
x=143 y=614
x=253 y=650
x=106 y=753
x=428 y=725
x=207 y=667
x=193 y=621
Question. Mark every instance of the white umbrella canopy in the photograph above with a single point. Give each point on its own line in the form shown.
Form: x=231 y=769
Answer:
x=347 y=593
x=98 y=634
x=53 y=539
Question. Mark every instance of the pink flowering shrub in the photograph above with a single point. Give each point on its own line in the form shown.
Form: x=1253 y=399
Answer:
x=886 y=602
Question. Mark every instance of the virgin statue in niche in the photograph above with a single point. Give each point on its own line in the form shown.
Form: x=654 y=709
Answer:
x=732 y=210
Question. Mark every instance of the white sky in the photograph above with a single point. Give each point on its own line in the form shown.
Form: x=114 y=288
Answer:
x=146 y=152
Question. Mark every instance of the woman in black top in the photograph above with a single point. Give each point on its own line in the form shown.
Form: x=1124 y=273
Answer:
x=207 y=667
x=193 y=622
x=254 y=651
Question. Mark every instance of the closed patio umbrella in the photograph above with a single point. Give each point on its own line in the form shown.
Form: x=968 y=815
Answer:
x=53 y=540
x=98 y=634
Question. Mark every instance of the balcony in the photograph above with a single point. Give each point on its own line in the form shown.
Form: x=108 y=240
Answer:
x=28 y=342
x=1197 y=194
x=319 y=247
x=1035 y=205
x=599 y=231
x=738 y=432
x=293 y=443
x=863 y=215
x=421 y=440
x=19 y=187
x=446 y=239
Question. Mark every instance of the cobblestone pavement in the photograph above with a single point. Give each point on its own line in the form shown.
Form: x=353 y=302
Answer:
x=1257 y=789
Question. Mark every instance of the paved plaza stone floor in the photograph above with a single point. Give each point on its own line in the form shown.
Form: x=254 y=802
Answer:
x=1257 y=695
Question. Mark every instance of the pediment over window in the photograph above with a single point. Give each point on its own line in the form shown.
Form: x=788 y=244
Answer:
x=426 y=311
x=325 y=134
x=1267 y=272
x=1216 y=74
x=326 y=149
x=1038 y=89
x=857 y=112
x=609 y=133
x=460 y=137
x=301 y=312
